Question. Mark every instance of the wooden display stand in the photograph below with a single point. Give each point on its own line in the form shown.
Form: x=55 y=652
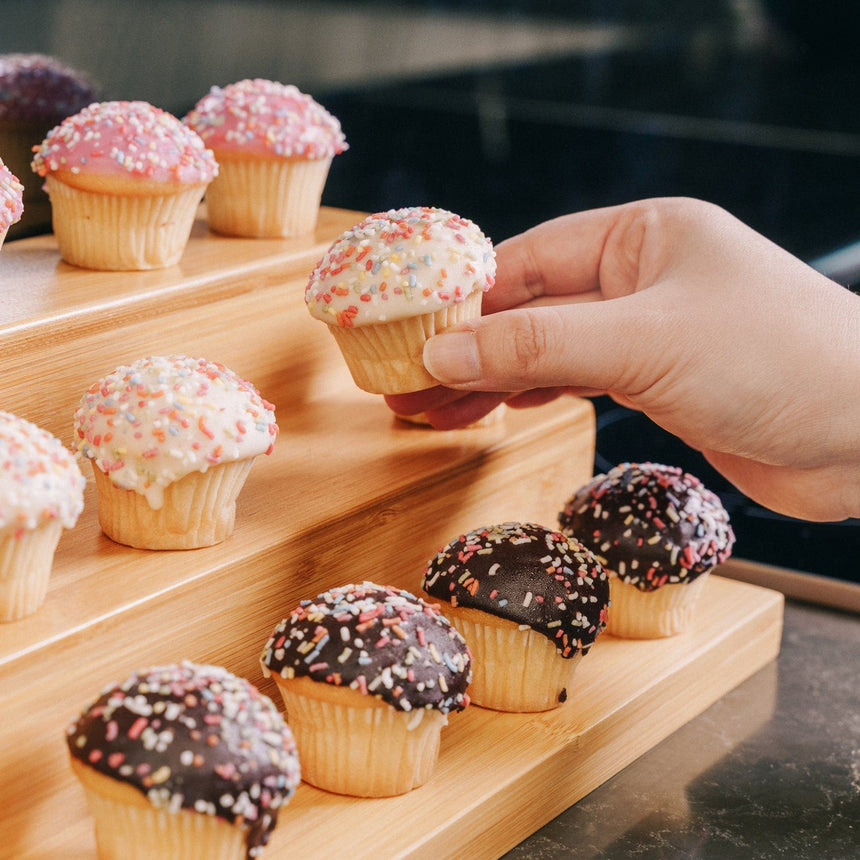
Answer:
x=350 y=493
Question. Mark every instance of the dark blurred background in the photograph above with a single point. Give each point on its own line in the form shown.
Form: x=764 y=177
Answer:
x=510 y=112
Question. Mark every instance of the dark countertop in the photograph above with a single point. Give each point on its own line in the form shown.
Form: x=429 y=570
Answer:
x=771 y=770
x=552 y=107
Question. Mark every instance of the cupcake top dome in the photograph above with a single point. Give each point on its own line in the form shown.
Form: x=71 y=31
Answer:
x=266 y=119
x=125 y=140
x=41 y=89
x=650 y=524
x=160 y=418
x=527 y=574
x=192 y=736
x=378 y=640
x=39 y=478
x=400 y=263
x=11 y=198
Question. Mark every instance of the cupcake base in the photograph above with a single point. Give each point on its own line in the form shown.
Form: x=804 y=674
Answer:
x=25 y=569
x=198 y=510
x=356 y=744
x=129 y=827
x=513 y=669
x=387 y=358
x=96 y=230
x=636 y=614
x=266 y=199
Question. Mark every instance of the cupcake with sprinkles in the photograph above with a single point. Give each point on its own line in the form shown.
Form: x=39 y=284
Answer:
x=172 y=440
x=368 y=675
x=11 y=200
x=41 y=493
x=393 y=281
x=529 y=601
x=125 y=180
x=36 y=93
x=659 y=532
x=274 y=146
x=183 y=762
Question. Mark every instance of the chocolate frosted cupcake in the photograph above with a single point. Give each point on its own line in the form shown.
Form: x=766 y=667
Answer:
x=529 y=601
x=659 y=531
x=368 y=675
x=183 y=761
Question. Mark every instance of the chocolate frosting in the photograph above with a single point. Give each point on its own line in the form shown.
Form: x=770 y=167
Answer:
x=528 y=574
x=193 y=737
x=379 y=640
x=650 y=524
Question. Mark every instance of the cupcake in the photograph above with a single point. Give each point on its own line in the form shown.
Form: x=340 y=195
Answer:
x=41 y=493
x=529 y=601
x=274 y=146
x=36 y=93
x=171 y=440
x=183 y=762
x=393 y=281
x=125 y=180
x=368 y=675
x=11 y=200
x=658 y=531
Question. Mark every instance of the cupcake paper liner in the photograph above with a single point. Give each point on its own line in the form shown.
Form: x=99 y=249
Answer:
x=272 y=199
x=122 y=233
x=513 y=669
x=199 y=509
x=355 y=744
x=667 y=611
x=25 y=569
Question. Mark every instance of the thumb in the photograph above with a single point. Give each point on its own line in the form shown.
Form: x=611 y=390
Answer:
x=596 y=345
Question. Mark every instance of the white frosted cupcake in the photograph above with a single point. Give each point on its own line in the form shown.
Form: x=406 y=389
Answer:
x=393 y=281
x=11 y=200
x=171 y=440
x=274 y=146
x=41 y=493
x=125 y=180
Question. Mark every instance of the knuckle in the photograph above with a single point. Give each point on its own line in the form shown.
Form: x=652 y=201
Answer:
x=529 y=343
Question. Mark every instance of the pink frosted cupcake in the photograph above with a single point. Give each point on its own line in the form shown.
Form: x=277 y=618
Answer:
x=36 y=93
x=393 y=281
x=274 y=146
x=41 y=493
x=172 y=440
x=125 y=180
x=11 y=200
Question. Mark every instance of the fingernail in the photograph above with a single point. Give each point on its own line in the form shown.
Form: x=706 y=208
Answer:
x=452 y=357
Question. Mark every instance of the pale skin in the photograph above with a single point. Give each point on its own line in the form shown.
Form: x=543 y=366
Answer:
x=675 y=308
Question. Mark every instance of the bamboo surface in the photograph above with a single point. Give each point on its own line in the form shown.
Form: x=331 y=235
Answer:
x=349 y=493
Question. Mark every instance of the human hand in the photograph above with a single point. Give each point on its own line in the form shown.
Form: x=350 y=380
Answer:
x=677 y=309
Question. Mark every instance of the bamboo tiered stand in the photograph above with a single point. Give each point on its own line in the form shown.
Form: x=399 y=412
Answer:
x=350 y=493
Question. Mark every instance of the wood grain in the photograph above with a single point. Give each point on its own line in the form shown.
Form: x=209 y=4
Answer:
x=349 y=493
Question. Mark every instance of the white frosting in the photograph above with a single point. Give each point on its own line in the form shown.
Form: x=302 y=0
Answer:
x=39 y=478
x=398 y=264
x=158 y=419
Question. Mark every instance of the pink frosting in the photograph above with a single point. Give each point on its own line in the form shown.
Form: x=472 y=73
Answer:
x=128 y=139
x=11 y=198
x=38 y=88
x=265 y=118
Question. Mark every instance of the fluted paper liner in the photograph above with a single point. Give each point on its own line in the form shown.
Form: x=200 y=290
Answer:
x=25 y=569
x=387 y=357
x=356 y=744
x=666 y=611
x=129 y=827
x=199 y=509
x=120 y=233
x=258 y=198
x=513 y=669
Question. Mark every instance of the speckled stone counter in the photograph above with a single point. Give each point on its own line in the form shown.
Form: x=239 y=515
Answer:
x=772 y=770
